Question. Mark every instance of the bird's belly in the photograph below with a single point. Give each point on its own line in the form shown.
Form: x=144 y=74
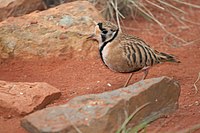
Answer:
x=119 y=64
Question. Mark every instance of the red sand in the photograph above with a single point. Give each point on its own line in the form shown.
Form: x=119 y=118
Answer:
x=86 y=76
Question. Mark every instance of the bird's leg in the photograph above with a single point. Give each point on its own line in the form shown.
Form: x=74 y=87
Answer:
x=129 y=78
x=146 y=71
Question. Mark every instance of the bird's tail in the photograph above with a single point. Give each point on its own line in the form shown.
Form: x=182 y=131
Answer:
x=167 y=58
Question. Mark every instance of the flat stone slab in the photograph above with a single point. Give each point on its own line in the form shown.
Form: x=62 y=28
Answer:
x=23 y=97
x=105 y=112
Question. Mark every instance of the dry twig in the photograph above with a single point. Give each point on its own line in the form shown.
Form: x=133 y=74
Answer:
x=196 y=89
x=171 y=6
x=191 y=42
x=187 y=4
x=116 y=9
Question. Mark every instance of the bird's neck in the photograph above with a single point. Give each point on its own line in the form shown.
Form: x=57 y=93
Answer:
x=103 y=44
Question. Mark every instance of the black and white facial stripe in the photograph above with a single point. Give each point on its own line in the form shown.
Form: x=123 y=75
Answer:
x=106 y=36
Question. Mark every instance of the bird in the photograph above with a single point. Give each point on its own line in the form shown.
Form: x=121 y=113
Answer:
x=126 y=53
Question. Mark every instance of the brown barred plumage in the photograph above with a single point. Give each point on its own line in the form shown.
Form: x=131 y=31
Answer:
x=125 y=53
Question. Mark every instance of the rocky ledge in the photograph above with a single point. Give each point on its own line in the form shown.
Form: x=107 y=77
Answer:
x=105 y=113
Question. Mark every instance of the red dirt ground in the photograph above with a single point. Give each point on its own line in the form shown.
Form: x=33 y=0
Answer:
x=85 y=76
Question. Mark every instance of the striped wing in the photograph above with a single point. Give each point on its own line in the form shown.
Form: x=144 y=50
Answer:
x=138 y=53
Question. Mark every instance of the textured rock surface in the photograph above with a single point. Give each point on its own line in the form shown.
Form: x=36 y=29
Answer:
x=53 y=3
x=23 y=98
x=18 y=7
x=59 y=31
x=104 y=113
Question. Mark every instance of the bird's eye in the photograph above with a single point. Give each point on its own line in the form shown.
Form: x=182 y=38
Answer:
x=112 y=30
x=104 y=31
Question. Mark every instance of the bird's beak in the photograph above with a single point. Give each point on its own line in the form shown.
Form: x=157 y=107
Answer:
x=91 y=37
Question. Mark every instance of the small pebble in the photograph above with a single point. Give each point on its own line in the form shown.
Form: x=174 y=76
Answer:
x=8 y=117
x=197 y=103
x=109 y=84
x=190 y=105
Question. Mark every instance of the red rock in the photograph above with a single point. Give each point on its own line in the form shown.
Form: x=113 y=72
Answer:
x=105 y=113
x=15 y=8
x=23 y=98
x=54 y=32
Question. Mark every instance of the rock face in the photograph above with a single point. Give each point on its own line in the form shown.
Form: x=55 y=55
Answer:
x=23 y=98
x=59 y=31
x=18 y=7
x=105 y=113
x=53 y=3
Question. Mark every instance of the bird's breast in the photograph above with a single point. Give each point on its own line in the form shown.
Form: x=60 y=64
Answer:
x=113 y=58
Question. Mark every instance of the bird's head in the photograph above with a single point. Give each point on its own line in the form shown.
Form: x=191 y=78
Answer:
x=104 y=32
